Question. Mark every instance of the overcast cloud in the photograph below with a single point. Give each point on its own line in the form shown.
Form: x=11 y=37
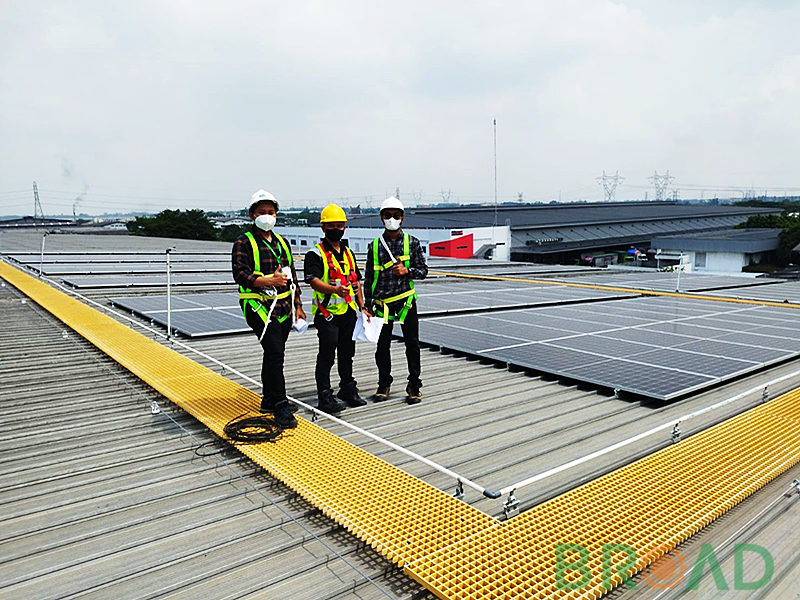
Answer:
x=146 y=105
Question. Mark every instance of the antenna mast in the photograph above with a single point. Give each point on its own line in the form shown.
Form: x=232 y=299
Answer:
x=494 y=127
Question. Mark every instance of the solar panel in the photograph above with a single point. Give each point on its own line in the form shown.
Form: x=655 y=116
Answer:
x=657 y=347
x=128 y=268
x=666 y=281
x=179 y=279
x=777 y=292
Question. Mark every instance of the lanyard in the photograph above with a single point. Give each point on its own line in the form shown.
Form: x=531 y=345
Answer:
x=277 y=254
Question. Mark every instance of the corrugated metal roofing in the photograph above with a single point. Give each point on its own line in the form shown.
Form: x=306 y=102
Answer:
x=563 y=215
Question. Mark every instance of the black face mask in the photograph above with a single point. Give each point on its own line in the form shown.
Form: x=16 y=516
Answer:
x=334 y=235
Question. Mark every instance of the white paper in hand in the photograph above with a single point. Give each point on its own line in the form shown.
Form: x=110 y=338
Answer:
x=300 y=326
x=367 y=330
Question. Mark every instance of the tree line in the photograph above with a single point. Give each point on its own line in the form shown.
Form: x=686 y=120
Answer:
x=194 y=224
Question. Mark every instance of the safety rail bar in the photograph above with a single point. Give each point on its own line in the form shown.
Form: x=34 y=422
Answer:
x=672 y=423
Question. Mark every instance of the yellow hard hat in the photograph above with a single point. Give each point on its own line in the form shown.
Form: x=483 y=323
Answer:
x=333 y=214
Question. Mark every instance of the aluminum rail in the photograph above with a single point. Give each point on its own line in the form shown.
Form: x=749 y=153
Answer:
x=460 y=479
x=510 y=489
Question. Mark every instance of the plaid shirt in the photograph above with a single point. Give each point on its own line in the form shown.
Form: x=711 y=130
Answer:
x=242 y=265
x=390 y=284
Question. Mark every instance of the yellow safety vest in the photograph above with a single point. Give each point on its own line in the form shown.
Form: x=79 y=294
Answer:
x=409 y=295
x=333 y=304
x=255 y=299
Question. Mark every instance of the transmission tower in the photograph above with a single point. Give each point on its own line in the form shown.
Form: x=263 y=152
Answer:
x=38 y=215
x=661 y=182
x=610 y=183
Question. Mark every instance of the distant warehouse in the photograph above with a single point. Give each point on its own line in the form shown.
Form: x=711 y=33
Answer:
x=562 y=233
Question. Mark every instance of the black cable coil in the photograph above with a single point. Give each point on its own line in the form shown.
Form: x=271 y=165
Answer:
x=253 y=430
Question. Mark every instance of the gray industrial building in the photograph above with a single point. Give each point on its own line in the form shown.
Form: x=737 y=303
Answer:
x=721 y=251
x=560 y=233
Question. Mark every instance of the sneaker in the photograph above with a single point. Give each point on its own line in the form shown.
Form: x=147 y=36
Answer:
x=349 y=395
x=382 y=394
x=328 y=404
x=414 y=395
x=283 y=416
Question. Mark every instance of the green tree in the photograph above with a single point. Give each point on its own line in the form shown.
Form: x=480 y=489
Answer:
x=788 y=238
x=229 y=233
x=189 y=225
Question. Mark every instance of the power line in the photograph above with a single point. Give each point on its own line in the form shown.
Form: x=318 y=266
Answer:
x=610 y=183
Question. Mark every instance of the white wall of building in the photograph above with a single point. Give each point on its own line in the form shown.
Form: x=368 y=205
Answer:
x=303 y=239
x=718 y=262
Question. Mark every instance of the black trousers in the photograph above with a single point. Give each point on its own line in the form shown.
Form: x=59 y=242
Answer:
x=335 y=341
x=274 y=345
x=383 y=357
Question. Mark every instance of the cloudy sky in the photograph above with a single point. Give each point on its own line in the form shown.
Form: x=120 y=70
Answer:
x=151 y=104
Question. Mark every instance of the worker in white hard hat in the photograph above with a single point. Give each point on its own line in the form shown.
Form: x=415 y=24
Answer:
x=332 y=272
x=394 y=261
x=269 y=296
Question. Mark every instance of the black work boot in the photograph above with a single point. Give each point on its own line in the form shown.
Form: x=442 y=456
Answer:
x=328 y=404
x=382 y=394
x=349 y=395
x=414 y=395
x=283 y=416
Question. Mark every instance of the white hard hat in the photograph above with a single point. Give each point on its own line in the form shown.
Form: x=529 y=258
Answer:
x=392 y=202
x=262 y=196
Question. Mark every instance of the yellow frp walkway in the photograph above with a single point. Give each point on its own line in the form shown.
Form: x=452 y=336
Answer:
x=452 y=549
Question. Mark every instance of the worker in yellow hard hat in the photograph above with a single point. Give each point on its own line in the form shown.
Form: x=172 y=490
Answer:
x=332 y=273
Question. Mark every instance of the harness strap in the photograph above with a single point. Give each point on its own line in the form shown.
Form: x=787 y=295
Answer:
x=409 y=295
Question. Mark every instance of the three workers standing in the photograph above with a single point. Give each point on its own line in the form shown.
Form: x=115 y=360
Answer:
x=263 y=268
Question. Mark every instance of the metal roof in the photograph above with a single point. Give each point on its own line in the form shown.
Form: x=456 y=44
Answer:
x=559 y=215
x=746 y=241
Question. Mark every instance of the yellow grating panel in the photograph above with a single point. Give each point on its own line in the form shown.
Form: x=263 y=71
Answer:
x=651 y=505
x=400 y=516
x=452 y=549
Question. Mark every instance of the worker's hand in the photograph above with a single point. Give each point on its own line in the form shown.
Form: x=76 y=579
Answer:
x=299 y=313
x=366 y=311
x=278 y=279
x=399 y=269
x=341 y=290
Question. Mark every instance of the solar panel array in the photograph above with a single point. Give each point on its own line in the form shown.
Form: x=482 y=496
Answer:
x=133 y=281
x=129 y=268
x=193 y=315
x=435 y=298
x=661 y=347
x=777 y=292
x=439 y=297
x=666 y=281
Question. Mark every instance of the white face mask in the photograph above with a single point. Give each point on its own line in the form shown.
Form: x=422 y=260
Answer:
x=392 y=224
x=266 y=222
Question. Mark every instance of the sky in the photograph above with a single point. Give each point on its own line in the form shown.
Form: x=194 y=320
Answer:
x=139 y=106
